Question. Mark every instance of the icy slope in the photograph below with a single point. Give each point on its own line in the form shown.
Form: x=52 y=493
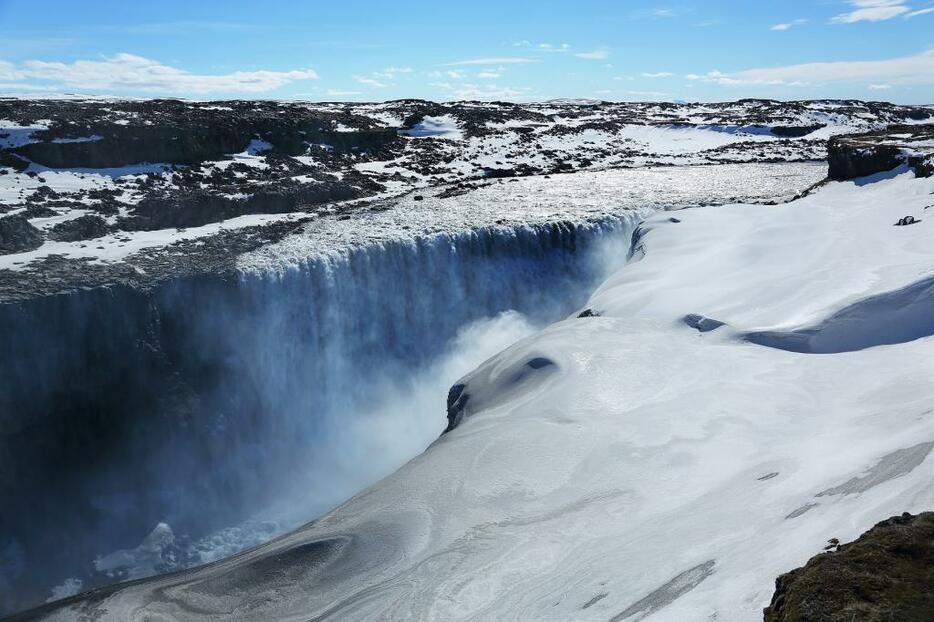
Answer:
x=631 y=466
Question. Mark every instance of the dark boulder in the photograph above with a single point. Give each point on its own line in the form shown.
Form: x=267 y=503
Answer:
x=887 y=574
x=18 y=236
x=84 y=227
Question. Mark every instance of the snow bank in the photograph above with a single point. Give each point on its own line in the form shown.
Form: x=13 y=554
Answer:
x=445 y=127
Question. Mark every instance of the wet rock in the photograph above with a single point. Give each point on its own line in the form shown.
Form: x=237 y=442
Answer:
x=84 y=227
x=886 y=574
x=17 y=235
x=457 y=401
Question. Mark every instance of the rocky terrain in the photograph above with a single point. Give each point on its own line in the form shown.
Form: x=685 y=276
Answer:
x=887 y=574
x=224 y=319
x=129 y=191
x=881 y=151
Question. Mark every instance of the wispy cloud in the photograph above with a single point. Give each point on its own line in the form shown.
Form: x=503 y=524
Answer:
x=370 y=82
x=543 y=47
x=503 y=60
x=130 y=73
x=340 y=93
x=879 y=87
x=389 y=73
x=909 y=70
x=872 y=11
x=600 y=54
x=660 y=12
x=657 y=94
x=788 y=25
x=919 y=12
x=485 y=92
x=660 y=74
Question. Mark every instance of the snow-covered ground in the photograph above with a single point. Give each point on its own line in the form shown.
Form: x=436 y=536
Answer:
x=586 y=196
x=755 y=381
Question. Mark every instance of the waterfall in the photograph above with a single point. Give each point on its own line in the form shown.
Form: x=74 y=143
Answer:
x=204 y=399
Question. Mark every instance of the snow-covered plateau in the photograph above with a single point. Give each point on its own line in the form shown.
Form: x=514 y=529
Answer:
x=667 y=380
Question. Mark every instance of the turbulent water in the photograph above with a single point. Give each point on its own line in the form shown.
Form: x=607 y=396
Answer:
x=179 y=412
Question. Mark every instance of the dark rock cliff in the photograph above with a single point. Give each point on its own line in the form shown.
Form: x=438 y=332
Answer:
x=887 y=574
x=850 y=157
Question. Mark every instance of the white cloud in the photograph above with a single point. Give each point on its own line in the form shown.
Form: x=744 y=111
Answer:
x=370 y=82
x=340 y=93
x=919 y=12
x=646 y=93
x=912 y=70
x=594 y=55
x=8 y=71
x=389 y=73
x=127 y=72
x=508 y=60
x=788 y=25
x=487 y=92
x=489 y=75
x=872 y=11
x=660 y=74
x=450 y=74
x=879 y=87
x=543 y=47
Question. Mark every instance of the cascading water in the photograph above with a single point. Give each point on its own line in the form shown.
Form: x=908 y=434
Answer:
x=211 y=401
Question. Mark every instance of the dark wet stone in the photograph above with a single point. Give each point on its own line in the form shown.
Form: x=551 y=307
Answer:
x=457 y=400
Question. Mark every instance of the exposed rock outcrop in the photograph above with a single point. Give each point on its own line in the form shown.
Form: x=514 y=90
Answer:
x=886 y=574
x=81 y=228
x=850 y=157
x=17 y=235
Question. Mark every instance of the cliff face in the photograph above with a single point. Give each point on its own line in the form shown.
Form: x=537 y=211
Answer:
x=886 y=574
x=850 y=157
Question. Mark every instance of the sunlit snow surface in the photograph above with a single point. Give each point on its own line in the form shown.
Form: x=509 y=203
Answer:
x=631 y=466
x=531 y=200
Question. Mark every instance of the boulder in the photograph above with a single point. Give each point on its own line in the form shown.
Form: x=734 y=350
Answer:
x=18 y=236
x=84 y=227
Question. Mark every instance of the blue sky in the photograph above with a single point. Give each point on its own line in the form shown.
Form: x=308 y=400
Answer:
x=507 y=49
